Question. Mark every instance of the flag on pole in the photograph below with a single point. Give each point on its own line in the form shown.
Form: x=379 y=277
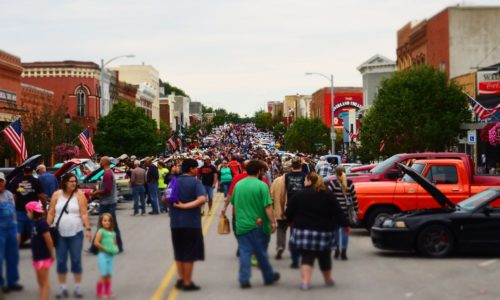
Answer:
x=86 y=141
x=14 y=133
x=481 y=111
x=172 y=143
x=352 y=135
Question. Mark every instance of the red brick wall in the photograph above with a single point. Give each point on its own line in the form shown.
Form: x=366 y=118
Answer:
x=10 y=80
x=438 y=41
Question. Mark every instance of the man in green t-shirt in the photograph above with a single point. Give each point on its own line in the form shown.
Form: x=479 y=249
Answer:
x=254 y=223
x=162 y=185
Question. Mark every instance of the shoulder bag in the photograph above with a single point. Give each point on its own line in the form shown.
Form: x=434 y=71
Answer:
x=54 y=230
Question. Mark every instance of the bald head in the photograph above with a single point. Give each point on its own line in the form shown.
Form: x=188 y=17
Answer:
x=105 y=161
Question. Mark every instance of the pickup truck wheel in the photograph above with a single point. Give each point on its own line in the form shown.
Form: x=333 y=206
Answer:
x=435 y=241
x=378 y=214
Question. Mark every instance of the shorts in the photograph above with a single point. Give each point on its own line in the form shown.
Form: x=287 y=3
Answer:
x=43 y=264
x=24 y=223
x=105 y=263
x=210 y=192
x=188 y=244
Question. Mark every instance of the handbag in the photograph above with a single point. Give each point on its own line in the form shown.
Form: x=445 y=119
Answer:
x=223 y=226
x=54 y=230
x=352 y=216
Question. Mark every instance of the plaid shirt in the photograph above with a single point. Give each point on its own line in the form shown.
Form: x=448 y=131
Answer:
x=312 y=240
x=324 y=169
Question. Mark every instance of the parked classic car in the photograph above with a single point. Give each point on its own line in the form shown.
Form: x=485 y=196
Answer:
x=472 y=224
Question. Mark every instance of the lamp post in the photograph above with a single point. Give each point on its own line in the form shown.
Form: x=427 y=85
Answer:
x=333 y=135
x=103 y=64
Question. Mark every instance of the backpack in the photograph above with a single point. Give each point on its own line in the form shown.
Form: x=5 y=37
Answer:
x=172 y=191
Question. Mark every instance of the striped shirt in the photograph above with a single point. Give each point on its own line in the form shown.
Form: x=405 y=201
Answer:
x=336 y=188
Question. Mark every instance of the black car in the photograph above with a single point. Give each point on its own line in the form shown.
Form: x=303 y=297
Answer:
x=472 y=224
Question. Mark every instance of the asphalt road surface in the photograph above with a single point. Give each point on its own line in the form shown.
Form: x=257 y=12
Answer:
x=146 y=270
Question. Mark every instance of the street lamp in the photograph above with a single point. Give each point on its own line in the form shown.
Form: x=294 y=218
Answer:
x=103 y=64
x=333 y=135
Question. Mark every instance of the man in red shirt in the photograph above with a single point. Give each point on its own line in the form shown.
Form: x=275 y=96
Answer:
x=235 y=166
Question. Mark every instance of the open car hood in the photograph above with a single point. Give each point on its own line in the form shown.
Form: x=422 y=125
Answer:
x=427 y=185
x=67 y=167
x=33 y=161
x=97 y=173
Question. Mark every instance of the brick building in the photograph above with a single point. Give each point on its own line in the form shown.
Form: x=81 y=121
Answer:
x=75 y=85
x=345 y=99
x=454 y=40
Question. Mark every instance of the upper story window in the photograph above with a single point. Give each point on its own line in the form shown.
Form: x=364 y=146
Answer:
x=81 y=100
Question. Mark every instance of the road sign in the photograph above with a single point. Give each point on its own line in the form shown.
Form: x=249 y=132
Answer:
x=471 y=137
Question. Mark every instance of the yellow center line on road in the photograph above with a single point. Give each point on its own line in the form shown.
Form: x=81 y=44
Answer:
x=207 y=221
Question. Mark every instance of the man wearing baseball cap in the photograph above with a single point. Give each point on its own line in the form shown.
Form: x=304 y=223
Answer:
x=9 y=246
x=26 y=189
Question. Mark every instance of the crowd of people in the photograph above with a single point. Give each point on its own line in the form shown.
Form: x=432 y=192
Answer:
x=268 y=193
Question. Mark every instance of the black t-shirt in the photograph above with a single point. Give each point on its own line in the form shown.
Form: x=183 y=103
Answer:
x=294 y=182
x=38 y=247
x=207 y=174
x=26 y=189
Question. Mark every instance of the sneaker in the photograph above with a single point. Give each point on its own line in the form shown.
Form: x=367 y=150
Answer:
x=142 y=214
x=279 y=254
x=77 y=294
x=294 y=266
x=305 y=286
x=153 y=213
x=179 y=284
x=336 y=254
x=15 y=287
x=62 y=294
x=134 y=214
x=191 y=288
x=276 y=278
x=330 y=282
x=245 y=285
x=209 y=212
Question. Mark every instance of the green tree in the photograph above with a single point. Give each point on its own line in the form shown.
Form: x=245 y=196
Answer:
x=263 y=120
x=416 y=110
x=169 y=89
x=127 y=129
x=308 y=135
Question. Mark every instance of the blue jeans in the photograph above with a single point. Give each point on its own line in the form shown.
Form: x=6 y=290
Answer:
x=153 y=196
x=225 y=188
x=342 y=237
x=23 y=222
x=9 y=252
x=210 y=192
x=73 y=245
x=254 y=242
x=163 y=205
x=139 y=191
x=111 y=208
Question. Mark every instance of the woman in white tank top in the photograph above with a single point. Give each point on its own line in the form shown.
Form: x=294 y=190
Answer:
x=73 y=225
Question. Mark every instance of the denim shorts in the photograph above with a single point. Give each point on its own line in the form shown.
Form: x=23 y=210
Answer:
x=210 y=192
x=105 y=263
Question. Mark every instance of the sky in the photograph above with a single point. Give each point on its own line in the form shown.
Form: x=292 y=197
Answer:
x=234 y=54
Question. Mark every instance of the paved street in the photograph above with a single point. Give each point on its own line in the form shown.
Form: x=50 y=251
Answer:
x=144 y=270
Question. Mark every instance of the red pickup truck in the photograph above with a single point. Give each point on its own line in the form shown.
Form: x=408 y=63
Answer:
x=452 y=176
x=387 y=169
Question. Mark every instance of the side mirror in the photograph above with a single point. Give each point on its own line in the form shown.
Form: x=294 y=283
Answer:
x=487 y=210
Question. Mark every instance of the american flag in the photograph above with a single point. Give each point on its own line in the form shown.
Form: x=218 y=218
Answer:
x=352 y=135
x=179 y=142
x=86 y=141
x=481 y=111
x=172 y=143
x=14 y=133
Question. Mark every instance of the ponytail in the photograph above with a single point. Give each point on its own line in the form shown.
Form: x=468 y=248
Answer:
x=316 y=182
x=342 y=178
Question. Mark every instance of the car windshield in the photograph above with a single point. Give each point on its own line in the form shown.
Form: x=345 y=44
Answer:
x=381 y=167
x=477 y=200
x=418 y=168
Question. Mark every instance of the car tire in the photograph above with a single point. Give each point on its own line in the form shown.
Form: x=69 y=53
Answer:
x=436 y=241
x=377 y=213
